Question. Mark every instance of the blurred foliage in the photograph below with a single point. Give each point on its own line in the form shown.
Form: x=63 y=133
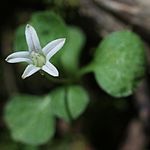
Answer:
x=120 y=63
x=66 y=103
x=48 y=25
x=69 y=102
x=70 y=57
x=29 y=119
x=118 y=66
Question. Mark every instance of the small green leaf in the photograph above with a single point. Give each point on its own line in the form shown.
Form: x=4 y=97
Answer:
x=29 y=119
x=77 y=100
x=69 y=102
x=120 y=63
x=58 y=104
x=19 y=39
x=48 y=25
x=72 y=49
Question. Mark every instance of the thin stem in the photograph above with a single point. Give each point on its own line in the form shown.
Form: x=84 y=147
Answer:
x=87 y=69
x=58 y=80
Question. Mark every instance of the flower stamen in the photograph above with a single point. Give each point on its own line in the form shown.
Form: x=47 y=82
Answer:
x=38 y=59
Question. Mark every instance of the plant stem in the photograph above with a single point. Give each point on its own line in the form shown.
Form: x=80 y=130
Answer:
x=87 y=69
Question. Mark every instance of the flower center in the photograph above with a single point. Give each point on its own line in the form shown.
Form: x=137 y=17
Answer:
x=38 y=59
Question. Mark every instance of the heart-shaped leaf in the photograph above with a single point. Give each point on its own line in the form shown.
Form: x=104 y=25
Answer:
x=69 y=102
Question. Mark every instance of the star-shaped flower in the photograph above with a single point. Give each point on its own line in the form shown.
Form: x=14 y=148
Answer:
x=37 y=57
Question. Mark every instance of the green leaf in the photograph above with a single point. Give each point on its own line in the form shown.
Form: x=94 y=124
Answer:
x=72 y=49
x=48 y=25
x=69 y=102
x=29 y=119
x=19 y=39
x=119 y=63
x=58 y=104
x=77 y=100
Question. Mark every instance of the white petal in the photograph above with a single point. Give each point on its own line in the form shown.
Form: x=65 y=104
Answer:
x=30 y=69
x=51 y=48
x=50 y=69
x=18 y=57
x=32 y=39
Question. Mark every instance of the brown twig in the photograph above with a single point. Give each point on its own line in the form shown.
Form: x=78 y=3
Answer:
x=104 y=21
x=136 y=14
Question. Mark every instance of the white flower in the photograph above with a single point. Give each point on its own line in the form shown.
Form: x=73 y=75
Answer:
x=36 y=57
